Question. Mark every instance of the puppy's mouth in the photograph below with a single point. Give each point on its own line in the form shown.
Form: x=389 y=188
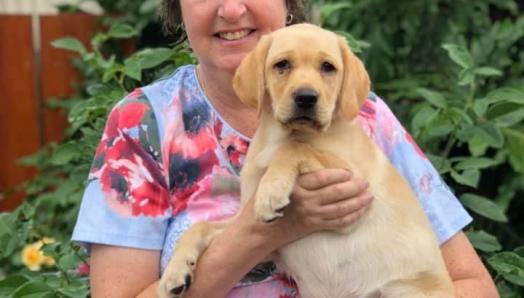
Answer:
x=301 y=122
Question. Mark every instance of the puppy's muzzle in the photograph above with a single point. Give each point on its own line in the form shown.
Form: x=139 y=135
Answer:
x=305 y=99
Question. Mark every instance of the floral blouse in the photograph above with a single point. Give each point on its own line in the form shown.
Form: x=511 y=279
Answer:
x=167 y=160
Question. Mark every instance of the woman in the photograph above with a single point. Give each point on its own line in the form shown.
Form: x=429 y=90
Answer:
x=169 y=154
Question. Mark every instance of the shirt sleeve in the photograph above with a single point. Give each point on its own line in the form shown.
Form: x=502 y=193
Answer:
x=446 y=214
x=126 y=199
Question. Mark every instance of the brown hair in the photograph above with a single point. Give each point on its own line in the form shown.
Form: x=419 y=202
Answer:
x=171 y=15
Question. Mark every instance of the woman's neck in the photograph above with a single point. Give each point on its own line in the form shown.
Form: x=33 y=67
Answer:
x=218 y=87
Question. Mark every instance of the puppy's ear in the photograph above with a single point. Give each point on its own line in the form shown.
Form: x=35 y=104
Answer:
x=355 y=83
x=249 y=81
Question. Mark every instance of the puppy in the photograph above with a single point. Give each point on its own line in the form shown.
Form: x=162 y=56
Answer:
x=308 y=88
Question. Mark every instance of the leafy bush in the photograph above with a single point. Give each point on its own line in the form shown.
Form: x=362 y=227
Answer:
x=451 y=69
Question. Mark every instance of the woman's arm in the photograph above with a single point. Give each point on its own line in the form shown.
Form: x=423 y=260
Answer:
x=470 y=277
x=120 y=271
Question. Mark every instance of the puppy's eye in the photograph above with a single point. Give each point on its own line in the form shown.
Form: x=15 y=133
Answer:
x=327 y=67
x=282 y=65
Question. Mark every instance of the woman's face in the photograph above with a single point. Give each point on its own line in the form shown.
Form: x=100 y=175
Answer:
x=222 y=32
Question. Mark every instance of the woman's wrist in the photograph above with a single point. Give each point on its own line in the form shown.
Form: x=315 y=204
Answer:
x=262 y=237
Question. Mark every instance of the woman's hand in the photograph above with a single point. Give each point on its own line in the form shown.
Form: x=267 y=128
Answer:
x=330 y=199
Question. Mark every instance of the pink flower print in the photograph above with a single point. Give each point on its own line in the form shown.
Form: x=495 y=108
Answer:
x=367 y=118
x=206 y=204
x=135 y=94
x=425 y=183
x=185 y=175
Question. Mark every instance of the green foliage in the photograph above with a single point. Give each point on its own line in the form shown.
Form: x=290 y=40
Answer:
x=452 y=70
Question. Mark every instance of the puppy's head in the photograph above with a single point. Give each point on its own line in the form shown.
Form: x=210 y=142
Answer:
x=305 y=76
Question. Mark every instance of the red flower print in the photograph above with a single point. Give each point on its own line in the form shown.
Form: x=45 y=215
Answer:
x=236 y=149
x=419 y=151
x=131 y=114
x=127 y=115
x=130 y=178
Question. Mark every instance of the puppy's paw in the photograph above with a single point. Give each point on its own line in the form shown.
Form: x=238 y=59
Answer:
x=177 y=278
x=271 y=200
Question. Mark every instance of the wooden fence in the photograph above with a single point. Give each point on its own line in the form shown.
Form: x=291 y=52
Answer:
x=31 y=73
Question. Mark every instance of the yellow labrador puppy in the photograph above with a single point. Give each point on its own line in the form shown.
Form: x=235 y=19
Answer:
x=308 y=87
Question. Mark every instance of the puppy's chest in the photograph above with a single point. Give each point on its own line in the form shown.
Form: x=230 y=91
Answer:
x=323 y=264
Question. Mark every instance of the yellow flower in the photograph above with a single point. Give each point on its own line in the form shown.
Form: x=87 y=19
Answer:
x=32 y=256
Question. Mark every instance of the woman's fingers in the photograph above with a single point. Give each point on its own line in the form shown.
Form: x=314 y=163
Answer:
x=343 y=222
x=323 y=178
x=343 y=208
x=332 y=193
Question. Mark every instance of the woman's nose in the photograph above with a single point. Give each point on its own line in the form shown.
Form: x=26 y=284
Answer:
x=232 y=10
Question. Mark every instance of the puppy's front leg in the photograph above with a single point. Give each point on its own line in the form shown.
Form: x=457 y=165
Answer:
x=179 y=272
x=287 y=162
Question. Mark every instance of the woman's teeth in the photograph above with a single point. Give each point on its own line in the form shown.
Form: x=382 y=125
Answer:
x=234 y=35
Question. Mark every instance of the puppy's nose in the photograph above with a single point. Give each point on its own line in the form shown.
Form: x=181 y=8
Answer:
x=305 y=98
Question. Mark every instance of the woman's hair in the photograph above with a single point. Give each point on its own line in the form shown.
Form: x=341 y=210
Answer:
x=171 y=15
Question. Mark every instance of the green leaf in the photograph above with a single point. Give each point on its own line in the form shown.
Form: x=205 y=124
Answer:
x=459 y=55
x=7 y=221
x=490 y=134
x=422 y=117
x=122 y=31
x=483 y=206
x=506 y=94
x=466 y=77
x=510 y=265
x=133 y=68
x=509 y=119
x=153 y=57
x=469 y=177
x=75 y=292
x=13 y=281
x=487 y=71
x=480 y=106
x=65 y=154
x=433 y=97
x=69 y=261
x=484 y=241
x=32 y=289
x=69 y=43
x=515 y=145
x=477 y=146
x=475 y=163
